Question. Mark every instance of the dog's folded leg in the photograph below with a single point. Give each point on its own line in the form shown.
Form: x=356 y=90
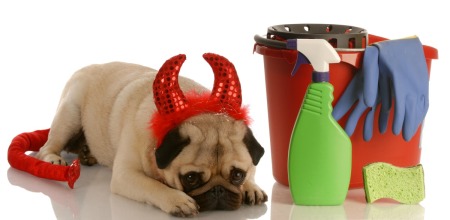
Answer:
x=65 y=125
x=253 y=194
x=135 y=185
x=129 y=180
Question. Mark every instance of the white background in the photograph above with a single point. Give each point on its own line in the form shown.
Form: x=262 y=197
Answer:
x=43 y=42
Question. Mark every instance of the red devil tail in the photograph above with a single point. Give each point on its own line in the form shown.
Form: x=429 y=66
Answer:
x=33 y=141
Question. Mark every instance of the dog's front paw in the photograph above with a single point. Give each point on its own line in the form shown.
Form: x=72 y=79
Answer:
x=253 y=195
x=180 y=204
x=52 y=158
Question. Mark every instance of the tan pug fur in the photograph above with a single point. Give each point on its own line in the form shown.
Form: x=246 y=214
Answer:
x=106 y=109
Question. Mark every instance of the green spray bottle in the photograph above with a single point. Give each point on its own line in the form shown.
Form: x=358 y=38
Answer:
x=319 y=160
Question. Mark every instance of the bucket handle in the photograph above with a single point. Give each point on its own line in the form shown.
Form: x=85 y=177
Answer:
x=282 y=44
x=269 y=42
x=351 y=56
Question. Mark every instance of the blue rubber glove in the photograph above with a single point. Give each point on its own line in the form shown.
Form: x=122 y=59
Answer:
x=360 y=89
x=404 y=78
x=391 y=70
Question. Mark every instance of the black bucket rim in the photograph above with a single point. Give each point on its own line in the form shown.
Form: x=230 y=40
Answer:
x=341 y=37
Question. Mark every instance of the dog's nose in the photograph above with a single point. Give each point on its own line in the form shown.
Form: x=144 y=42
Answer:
x=219 y=198
x=218 y=191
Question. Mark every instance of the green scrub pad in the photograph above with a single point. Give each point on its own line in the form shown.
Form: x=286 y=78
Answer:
x=383 y=180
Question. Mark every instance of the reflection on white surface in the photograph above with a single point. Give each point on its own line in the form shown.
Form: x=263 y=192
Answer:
x=92 y=199
x=382 y=211
x=318 y=212
x=354 y=207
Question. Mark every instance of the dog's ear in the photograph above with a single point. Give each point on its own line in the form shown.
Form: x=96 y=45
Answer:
x=170 y=147
x=254 y=148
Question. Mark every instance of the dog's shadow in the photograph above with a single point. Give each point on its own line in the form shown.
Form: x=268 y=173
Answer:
x=91 y=198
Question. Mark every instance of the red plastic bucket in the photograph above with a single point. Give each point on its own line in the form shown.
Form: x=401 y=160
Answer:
x=285 y=95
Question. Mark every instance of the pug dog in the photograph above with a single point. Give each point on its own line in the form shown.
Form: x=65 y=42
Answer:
x=170 y=142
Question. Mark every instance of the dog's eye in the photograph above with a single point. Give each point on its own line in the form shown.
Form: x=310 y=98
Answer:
x=237 y=176
x=191 y=179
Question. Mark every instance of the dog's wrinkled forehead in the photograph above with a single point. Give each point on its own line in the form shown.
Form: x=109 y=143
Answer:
x=215 y=136
x=216 y=145
x=210 y=129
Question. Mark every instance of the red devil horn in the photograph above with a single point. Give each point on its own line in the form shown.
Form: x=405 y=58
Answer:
x=227 y=88
x=166 y=92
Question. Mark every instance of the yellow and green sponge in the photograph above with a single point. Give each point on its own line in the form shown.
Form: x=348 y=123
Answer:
x=384 y=180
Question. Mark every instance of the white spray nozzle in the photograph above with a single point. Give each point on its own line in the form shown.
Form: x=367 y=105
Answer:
x=318 y=51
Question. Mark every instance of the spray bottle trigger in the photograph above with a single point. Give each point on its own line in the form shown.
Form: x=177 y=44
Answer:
x=301 y=59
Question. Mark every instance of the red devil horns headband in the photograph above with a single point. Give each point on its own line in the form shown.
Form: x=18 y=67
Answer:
x=174 y=106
